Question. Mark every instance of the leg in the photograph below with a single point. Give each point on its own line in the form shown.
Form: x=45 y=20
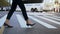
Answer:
x=21 y=5
x=13 y=7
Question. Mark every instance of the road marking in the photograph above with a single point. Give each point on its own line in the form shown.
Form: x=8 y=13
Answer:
x=52 y=18
x=2 y=20
x=48 y=19
x=22 y=22
x=43 y=23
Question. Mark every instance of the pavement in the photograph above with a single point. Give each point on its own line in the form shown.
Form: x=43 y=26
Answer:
x=46 y=23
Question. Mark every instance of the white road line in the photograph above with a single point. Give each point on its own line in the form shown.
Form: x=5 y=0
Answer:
x=43 y=23
x=52 y=18
x=43 y=14
x=38 y=14
x=49 y=19
x=22 y=22
x=2 y=20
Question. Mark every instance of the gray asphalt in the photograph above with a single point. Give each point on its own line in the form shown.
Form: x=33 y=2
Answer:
x=37 y=29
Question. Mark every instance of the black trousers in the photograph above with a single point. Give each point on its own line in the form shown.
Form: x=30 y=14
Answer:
x=13 y=7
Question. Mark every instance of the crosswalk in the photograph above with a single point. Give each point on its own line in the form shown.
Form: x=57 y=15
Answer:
x=48 y=20
x=2 y=20
x=51 y=18
x=32 y=16
x=42 y=23
x=22 y=22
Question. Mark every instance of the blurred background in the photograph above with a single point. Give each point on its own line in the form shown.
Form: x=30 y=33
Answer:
x=32 y=5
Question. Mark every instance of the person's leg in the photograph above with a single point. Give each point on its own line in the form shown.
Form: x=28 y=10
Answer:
x=13 y=7
x=21 y=5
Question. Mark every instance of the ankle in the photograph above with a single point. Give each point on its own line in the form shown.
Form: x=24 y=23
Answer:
x=7 y=21
x=29 y=22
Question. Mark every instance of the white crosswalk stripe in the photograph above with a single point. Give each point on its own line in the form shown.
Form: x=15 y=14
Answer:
x=54 y=16
x=43 y=14
x=2 y=20
x=38 y=14
x=42 y=23
x=22 y=22
x=49 y=19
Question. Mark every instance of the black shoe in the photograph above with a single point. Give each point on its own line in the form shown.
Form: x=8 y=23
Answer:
x=30 y=24
x=8 y=25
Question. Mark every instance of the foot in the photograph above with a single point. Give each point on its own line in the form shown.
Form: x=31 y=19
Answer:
x=8 y=25
x=30 y=24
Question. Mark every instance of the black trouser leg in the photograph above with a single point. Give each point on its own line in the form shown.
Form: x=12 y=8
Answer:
x=21 y=5
x=13 y=7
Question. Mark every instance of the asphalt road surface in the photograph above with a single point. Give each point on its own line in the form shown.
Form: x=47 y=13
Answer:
x=46 y=23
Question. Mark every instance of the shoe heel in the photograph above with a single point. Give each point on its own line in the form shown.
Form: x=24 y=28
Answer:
x=30 y=24
x=8 y=25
